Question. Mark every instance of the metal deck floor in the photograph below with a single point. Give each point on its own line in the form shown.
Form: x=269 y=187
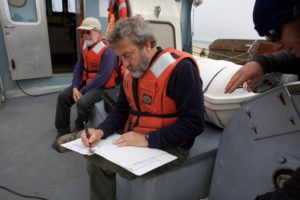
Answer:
x=28 y=164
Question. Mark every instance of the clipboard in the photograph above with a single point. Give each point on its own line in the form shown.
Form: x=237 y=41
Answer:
x=138 y=160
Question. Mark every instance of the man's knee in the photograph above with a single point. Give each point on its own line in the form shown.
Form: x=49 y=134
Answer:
x=90 y=167
x=61 y=98
x=64 y=96
x=83 y=103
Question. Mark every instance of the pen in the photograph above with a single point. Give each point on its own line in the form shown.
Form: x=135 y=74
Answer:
x=87 y=134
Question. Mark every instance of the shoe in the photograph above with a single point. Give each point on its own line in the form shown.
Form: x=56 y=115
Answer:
x=61 y=140
x=76 y=130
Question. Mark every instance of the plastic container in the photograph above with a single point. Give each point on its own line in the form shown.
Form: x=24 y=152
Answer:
x=215 y=74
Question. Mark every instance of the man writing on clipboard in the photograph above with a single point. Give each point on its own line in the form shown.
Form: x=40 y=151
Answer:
x=160 y=104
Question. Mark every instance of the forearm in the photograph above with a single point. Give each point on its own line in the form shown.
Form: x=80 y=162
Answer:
x=98 y=82
x=77 y=73
x=282 y=61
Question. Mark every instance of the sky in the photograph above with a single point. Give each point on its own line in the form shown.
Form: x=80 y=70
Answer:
x=223 y=19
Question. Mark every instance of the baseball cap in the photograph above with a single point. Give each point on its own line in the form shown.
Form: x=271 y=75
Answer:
x=89 y=24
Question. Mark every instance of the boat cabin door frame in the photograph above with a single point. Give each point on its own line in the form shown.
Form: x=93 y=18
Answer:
x=26 y=37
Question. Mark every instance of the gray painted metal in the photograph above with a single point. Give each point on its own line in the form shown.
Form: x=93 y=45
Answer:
x=5 y=74
x=246 y=161
x=189 y=181
x=279 y=101
x=27 y=43
x=28 y=164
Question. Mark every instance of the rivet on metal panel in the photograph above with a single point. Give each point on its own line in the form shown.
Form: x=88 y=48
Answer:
x=280 y=96
x=281 y=159
x=13 y=64
x=221 y=163
x=217 y=182
x=248 y=113
x=254 y=128
x=292 y=120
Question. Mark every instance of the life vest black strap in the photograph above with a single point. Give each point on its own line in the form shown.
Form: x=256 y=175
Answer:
x=147 y=114
x=136 y=101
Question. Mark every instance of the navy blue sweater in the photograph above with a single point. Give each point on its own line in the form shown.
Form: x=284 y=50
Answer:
x=185 y=87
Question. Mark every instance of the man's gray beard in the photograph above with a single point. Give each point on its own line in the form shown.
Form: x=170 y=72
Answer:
x=139 y=73
x=91 y=42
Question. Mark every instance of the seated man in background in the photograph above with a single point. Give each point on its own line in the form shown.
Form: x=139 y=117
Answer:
x=160 y=104
x=94 y=70
x=279 y=22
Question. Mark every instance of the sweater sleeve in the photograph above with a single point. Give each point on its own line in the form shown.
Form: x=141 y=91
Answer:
x=185 y=87
x=77 y=72
x=281 y=61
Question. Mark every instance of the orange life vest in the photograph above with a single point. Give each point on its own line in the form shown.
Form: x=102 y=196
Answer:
x=91 y=64
x=114 y=15
x=151 y=108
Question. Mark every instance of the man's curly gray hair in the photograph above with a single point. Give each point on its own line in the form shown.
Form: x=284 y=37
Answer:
x=135 y=29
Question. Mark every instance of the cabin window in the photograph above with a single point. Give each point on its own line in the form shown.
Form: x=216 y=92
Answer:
x=17 y=3
x=23 y=12
x=164 y=32
x=57 y=6
x=71 y=6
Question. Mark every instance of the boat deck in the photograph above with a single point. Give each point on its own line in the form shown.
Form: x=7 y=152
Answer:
x=28 y=164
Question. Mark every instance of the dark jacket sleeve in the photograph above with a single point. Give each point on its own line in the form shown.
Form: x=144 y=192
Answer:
x=107 y=65
x=185 y=87
x=281 y=61
x=289 y=191
x=77 y=72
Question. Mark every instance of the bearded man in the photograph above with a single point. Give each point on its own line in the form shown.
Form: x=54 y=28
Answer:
x=94 y=70
x=160 y=104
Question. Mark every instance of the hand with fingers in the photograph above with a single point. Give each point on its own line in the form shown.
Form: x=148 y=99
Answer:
x=132 y=138
x=251 y=73
x=76 y=94
x=95 y=137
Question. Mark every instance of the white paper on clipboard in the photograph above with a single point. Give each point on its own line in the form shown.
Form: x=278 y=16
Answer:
x=138 y=160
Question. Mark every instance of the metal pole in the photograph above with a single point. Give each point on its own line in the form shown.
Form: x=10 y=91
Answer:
x=186 y=31
x=2 y=96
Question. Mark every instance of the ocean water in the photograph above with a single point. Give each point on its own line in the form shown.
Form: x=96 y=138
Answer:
x=201 y=43
x=199 y=46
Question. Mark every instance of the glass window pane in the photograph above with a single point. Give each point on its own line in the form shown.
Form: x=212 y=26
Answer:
x=24 y=13
x=71 y=6
x=57 y=6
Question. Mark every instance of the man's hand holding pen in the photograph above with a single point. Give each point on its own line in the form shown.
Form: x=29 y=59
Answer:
x=95 y=137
